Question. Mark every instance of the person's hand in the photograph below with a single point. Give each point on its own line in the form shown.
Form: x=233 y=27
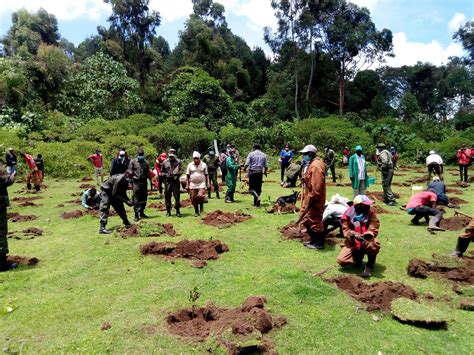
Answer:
x=354 y=235
x=367 y=236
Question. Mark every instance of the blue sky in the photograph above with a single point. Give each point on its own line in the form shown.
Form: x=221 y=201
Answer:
x=422 y=28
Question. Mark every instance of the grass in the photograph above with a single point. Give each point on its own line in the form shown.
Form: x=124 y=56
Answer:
x=411 y=311
x=85 y=279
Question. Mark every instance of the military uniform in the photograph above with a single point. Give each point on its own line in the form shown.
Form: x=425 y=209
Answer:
x=172 y=170
x=212 y=162
x=330 y=161
x=114 y=193
x=140 y=175
x=385 y=165
x=5 y=181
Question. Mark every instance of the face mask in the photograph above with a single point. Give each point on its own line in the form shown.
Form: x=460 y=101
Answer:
x=140 y=157
x=306 y=158
x=122 y=157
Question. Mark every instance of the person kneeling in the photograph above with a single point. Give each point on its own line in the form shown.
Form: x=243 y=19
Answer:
x=90 y=199
x=360 y=227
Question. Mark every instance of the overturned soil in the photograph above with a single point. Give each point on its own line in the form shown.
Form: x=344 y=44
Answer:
x=26 y=199
x=189 y=249
x=134 y=231
x=293 y=231
x=375 y=296
x=464 y=185
x=457 y=201
x=418 y=180
x=283 y=209
x=79 y=213
x=454 y=223
x=86 y=186
x=378 y=196
x=72 y=214
x=233 y=328
x=157 y=205
x=460 y=274
x=186 y=203
x=29 y=204
x=380 y=210
x=16 y=217
x=32 y=231
x=87 y=179
x=454 y=191
x=219 y=218
x=22 y=260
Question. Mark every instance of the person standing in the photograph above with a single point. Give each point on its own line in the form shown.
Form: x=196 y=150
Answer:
x=212 y=162
x=113 y=192
x=40 y=165
x=33 y=175
x=158 y=168
x=423 y=205
x=232 y=168
x=140 y=174
x=120 y=163
x=313 y=197
x=91 y=199
x=223 y=161
x=345 y=156
x=464 y=159
x=464 y=240
x=330 y=161
x=97 y=162
x=11 y=161
x=6 y=179
x=257 y=164
x=286 y=155
x=172 y=169
x=434 y=164
x=385 y=165
x=358 y=172
x=197 y=181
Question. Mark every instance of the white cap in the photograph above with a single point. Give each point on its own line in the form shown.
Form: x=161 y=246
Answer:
x=309 y=149
x=122 y=152
x=436 y=178
x=432 y=152
x=196 y=155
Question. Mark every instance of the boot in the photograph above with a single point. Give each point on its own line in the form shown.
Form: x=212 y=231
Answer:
x=316 y=240
x=415 y=221
x=201 y=207
x=369 y=267
x=28 y=186
x=37 y=187
x=127 y=223
x=178 y=214
x=461 y=247
x=136 y=219
x=217 y=194
x=209 y=193
x=434 y=221
x=196 y=211
x=143 y=215
x=168 y=212
x=4 y=264
x=103 y=230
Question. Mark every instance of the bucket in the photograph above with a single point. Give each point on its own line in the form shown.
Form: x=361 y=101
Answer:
x=371 y=180
x=415 y=189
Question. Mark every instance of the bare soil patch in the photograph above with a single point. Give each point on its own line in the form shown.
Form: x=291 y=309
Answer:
x=220 y=219
x=293 y=231
x=16 y=217
x=463 y=185
x=26 y=199
x=147 y=230
x=454 y=223
x=86 y=186
x=186 y=203
x=457 y=201
x=380 y=210
x=454 y=191
x=72 y=214
x=29 y=204
x=33 y=231
x=189 y=249
x=22 y=260
x=378 y=196
x=87 y=179
x=158 y=205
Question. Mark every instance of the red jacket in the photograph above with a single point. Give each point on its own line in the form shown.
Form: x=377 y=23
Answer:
x=159 y=160
x=464 y=157
x=30 y=162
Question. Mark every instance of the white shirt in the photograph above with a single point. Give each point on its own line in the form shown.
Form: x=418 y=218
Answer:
x=434 y=158
x=361 y=164
x=197 y=175
x=335 y=210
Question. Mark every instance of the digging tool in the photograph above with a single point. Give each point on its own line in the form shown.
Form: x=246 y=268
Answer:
x=457 y=214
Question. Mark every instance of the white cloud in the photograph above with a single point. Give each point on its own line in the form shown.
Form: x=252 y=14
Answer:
x=409 y=53
x=370 y=4
x=456 y=22
x=258 y=12
x=171 y=10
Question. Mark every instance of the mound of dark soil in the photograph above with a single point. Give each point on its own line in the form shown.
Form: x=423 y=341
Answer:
x=295 y=232
x=454 y=191
x=464 y=185
x=26 y=199
x=86 y=186
x=219 y=218
x=458 y=274
x=158 y=205
x=457 y=201
x=132 y=231
x=72 y=214
x=87 y=179
x=380 y=210
x=32 y=231
x=189 y=249
x=377 y=295
x=76 y=201
x=22 y=260
x=29 y=204
x=378 y=196
x=16 y=217
x=186 y=203
x=454 y=223
x=153 y=230
x=247 y=324
x=419 y=180
x=169 y=228
x=284 y=209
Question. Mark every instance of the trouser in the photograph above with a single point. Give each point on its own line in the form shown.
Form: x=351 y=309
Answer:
x=214 y=183
x=161 y=182
x=105 y=202
x=350 y=255
x=463 y=168
x=331 y=224
x=424 y=212
x=140 y=195
x=229 y=195
x=434 y=168
x=99 y=172
x=3 y=231
x=11 y=169
x=387 y=176
x=255 y=182
x=291 y=182
x=283 y=167
x=172 y=188
x=35 y=178
x=197 y=196
x=333 y=171
x=360 y=190
x=442 y=199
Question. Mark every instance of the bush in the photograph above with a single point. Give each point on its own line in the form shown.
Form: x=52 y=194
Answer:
x=242 y=138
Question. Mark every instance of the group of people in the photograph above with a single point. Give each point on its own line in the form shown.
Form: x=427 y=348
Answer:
x=35 y=172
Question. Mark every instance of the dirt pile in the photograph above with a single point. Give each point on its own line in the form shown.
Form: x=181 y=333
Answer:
x=86 y=186
x=454 y=223
x=26 y=199
x=464 y=185
x=460 y=270
x=29 y=204
x=457 y=201
x=377 y=295
x=132 y=231
x=241 y=330
x=186 y=203
x=219 y=218
x=22 y=260
x=72 y=214
x=33 y=231
x=378 y=196
x=283 y=209
x=188 y=249
x=87 y=179
x=380 y=210
x=419 y=180
x=16 y=217
x=454 y=191
x=158 y=205
x=293 y=231
x=147 y=230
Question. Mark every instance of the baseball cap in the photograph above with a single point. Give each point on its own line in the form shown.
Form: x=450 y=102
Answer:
x=309 y=149
x=172 y=153
x=362 y=199
x=358 y=147
x=432 y=152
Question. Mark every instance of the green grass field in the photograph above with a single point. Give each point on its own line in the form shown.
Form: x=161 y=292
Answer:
x=85 y=279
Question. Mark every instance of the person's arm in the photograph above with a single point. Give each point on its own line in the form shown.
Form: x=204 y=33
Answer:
x=84 y=201
x=206 y=173
x=374 y=225
x=247 y=163
x=265 y=166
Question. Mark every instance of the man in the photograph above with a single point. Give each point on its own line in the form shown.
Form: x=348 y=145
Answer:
x=11 y=161
x=140 y=171
x=434 y=162
x=33 y=175
x=292 y=173
x=358 y=172
x=464 y=159
x=385 y=165
x=197 y=181
x=439 y=188
x=257 y=164
x=464 y=240
x=423 y=205
x=223 y=161
x=330 y=161
x=158 y=169
x=285 y=158
x=40 y=165
x=345 y=156
x=120 y=164
x=360 y=227
x=97 y=163
x=172 y=169
x=90 y=199
x=212 y=162
x=114 y=193
x=313 y=197
x=6 y=179
x=333 y=212
x=232 y=168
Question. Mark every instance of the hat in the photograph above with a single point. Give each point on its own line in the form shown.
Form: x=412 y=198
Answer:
x=196 y=155
x=10 y=149
x=122 y=152
x=309 y=149
x=436 y=178
x=172 y=152
x=212 y=152
x=380 y=145
x=432 y=152
x=362 y=199
x=358 y=147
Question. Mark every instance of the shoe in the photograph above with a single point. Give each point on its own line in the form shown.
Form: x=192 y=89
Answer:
x=461 y=247
x=178 y=214
x=367 y=272
x=391 y=203
x=136 y=219
x=310 y=246
x=104 y=230
x=217 y=195
x=127 y=223
x=415 y=222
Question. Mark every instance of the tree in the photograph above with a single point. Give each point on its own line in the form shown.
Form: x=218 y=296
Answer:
x=465 y=35
x=408 y=107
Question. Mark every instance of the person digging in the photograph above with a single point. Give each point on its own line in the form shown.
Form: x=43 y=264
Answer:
x=6 y=179
x=360 y=227
x=140 y=171
x=423 y=205
x=464 y=240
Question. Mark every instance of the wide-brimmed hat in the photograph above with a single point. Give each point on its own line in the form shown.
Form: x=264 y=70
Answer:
x=172 y=152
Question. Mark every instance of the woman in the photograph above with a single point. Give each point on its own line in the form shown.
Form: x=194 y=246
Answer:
x=286 y=155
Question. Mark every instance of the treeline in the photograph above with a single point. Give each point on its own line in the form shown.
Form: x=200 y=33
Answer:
x=212 y=81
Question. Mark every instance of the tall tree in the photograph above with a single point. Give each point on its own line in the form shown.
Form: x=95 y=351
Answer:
x=465 y=35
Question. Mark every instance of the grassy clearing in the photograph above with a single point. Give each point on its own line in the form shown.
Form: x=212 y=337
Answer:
x=85 y=279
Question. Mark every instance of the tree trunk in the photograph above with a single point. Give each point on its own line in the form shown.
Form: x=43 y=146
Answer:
x=341 y=91
x=311 y=73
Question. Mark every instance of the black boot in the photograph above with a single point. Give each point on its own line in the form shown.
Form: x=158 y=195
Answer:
x=196 y=211
x=369 y=267
x=209 y=193
x=103 y=230
x=126 y=222
x=168 y=212
x=178 y=214
x=461 y=247
x=143 y=215
x=28 y=186
x=316 y=240
x=37 y=187
x=136 y=219
x=201 y=207
x=217 y=194
x=4 y=264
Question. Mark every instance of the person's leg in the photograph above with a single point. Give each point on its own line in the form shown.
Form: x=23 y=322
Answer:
x=96 y=173
x=120 y=209
x=316 y=239
x=177 y=197
x=345 y=257
x=143 y=198
x=4 y=266
x=387 y=177
x=160 y=184
x=466 y=167
x=136 y=201
x=104 y=208
x=215 y=183
x=371 y=248
x=168 y=194
x=461 y=172
x=362 y=188
x=333 y=172
x=282 y=172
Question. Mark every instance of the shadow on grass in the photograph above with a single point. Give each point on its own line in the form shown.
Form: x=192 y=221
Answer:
x=377 y=273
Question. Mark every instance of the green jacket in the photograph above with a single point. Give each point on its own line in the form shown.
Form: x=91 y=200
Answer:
x=354 y=171
x=232 y=169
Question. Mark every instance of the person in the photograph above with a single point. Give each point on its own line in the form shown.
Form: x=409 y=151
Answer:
x=113 y=192
x=360 y=227
x=97 y=163
x=120 y=163
x=464 y=159
x=223 y=161
x=385 y=165
x=313 y=197
x=439 y=188
x=91 y=199
x=257 y=164
x=172 y=170
x=33 y=175
x=434 y=164
x=11 y=161
x=330 y=161
x=333 y=212
x=423 y=205
x=464 y=239
x=286 y=156
x=345 y=156
x=358 y=172
x=232 y=168
x=292 y=173
x=6 y=179
x=158 y=171
x=395 y=157
x=140 y=174
x=236 y=153
x=40 y=165
x=212 y=162
x=197 y=182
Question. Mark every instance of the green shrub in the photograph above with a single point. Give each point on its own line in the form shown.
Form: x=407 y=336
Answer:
x=242 y=138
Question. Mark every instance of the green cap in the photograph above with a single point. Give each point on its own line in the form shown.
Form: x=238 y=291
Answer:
x=359 y=147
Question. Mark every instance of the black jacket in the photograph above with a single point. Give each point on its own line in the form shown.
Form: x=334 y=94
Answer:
x=11 y=159
x=119 y=166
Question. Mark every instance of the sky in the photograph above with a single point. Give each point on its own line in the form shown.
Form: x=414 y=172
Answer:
x=422 y=29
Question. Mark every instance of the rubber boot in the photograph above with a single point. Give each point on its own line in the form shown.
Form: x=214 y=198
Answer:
x=196 y=211
x=316 y=240
x=461 y=247
x=28 y=186
x=136 y=219
x=201 y=207
x=217 y=194
x=103 y=230
x=37 y=187
x=434 y=221
x=209 y=193
x=4 y=264
x=178 y=213
x=168 y=212
x=126 y=222
x=415 y=221
x=369 y=267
